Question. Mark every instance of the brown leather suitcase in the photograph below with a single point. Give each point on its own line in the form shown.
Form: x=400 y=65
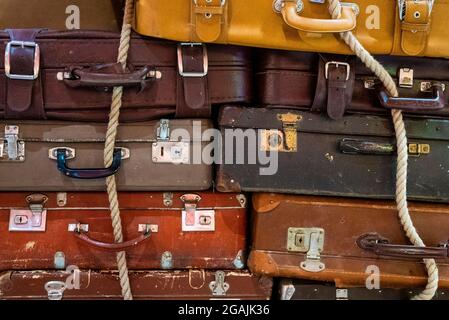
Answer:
x=146 y=285
x=292 y=289
x=346 y=241
x=68 y=156
x=69 y=76
x=336 y=84
x=161 y=231
x=309 y=153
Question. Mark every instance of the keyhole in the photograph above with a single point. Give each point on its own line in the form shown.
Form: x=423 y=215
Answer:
x=162 y=151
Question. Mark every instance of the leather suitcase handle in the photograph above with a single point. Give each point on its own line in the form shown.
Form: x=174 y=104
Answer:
x=90 y=173
x=112 y=246
x=347 y=22
x=380 y=246
x=81 y=77
x=415 y=104
x=351 y=146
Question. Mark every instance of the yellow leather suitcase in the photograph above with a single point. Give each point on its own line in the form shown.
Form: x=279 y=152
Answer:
x=403 y=27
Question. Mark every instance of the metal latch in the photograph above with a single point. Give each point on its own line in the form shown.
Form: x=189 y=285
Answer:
x=417 y=149
x=406 y=78
x=55 y=290
x=309 y=241
x=285 y=140
x=34 y=219
x=12 y=148
x=166 y=151
x=194 y=219
x=219 y=287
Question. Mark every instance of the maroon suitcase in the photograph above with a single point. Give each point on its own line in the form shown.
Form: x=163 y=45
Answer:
x=69 y=76
x=339 y=84
x=145 y=285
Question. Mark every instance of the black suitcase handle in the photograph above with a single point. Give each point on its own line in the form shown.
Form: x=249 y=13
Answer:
x=88 y=173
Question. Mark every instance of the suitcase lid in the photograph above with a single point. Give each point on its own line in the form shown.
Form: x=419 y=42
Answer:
x=360 y=125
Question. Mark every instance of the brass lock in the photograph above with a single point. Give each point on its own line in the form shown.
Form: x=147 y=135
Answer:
x=285 y=140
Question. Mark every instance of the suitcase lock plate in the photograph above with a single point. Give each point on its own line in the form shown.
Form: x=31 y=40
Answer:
x=55 y=290
x=285 y=140
x=194 y=219
x=33 y=219
x=166 y=151
x=11 y=147
x=309 y=241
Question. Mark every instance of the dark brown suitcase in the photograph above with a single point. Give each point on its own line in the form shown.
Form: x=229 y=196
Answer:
x=345 y=241
x=69 y=76
x=292 y=289
x=152 y=285
x=312 y=154
x=337 y=84
x=161 y=231
x=68 y=156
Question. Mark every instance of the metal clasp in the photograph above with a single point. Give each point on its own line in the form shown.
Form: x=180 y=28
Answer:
x=417 y=149
x=36 y=66
x=55 y=290
x=11 y=147
x=282 y=141
x=406 y=78
x=309 y=241
x=337 y=65
x=31 y=220
x=188 y=74
x=219 y=287
x=193 y=219
x=163 y=131
x=166 y=151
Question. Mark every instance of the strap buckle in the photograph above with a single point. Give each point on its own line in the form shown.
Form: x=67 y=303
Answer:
x=222 y=3
x=36 y=66
x=188 y=74
x=402 y=8
x=337 y=64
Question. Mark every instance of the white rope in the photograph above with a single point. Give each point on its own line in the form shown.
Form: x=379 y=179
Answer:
x=109 y=151
x=402 y=158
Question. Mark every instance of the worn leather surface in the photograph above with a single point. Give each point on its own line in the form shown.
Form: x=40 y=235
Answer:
x=89 y=100
x=319 y=166
x=343 y=221
x=145 y=285
x=297 y=79
x=256 y=23
x=203 y=250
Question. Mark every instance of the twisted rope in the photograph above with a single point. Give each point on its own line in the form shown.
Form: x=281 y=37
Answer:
x=402 y=159
x=109 y=151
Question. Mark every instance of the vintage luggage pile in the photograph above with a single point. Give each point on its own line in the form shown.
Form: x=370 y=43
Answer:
x=107 y=191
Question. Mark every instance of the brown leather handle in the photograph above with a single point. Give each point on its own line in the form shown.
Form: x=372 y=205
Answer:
x=377 y=244
x=108 y=76
x=347 y=22
x=415 y=104
x=112 y=246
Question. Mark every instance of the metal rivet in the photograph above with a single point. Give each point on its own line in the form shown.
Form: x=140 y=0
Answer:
x=417 y=14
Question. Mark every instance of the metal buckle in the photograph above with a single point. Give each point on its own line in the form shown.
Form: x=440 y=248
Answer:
x=181 y=63
x=402 y=8
x=22 y=44
x=337 y=64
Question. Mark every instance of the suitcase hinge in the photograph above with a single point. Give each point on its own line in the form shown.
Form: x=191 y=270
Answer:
x=309 y=241
x=12 y=148
x=219 y=287
x=194 y=219
x=33 y=219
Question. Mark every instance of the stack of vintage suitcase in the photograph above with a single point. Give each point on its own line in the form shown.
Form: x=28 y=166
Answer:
x=323 y=223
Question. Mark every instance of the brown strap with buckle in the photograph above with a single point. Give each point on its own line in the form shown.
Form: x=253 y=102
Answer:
x=415 y=26
x=192 y=83
x=335 y=84
x=24 y=96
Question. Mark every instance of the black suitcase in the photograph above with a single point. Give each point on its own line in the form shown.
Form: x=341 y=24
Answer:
x=311 y=154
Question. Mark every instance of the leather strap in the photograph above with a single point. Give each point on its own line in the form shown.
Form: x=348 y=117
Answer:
x=415 y=26
x=24 y=97
x=193 y=92
x=334 y=90
x=208 y=18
